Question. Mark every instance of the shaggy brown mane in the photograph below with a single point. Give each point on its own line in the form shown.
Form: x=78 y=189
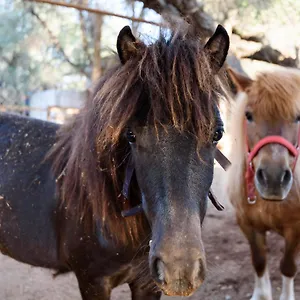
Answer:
x=170 y=82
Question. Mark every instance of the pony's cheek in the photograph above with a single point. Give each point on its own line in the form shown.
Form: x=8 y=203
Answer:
x=146 y=207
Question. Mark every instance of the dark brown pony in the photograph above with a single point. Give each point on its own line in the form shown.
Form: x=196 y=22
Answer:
x=264 y=177
x=146 y=138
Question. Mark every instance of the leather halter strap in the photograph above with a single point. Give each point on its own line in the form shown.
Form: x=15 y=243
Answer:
x=127 y=211
x=128 y=176
x=223 y=161
x=271 y=139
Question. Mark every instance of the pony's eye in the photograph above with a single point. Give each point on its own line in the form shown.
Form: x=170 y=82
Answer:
x=218 y=135
x=130 y=136
x=249 y=116
x=297 y=120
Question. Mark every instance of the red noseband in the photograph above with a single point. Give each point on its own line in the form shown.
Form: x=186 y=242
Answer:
x=250 y=172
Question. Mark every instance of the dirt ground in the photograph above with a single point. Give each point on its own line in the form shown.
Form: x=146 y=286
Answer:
x=230 y=273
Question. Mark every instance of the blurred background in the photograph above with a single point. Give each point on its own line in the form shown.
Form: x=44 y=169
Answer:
x=50 y=54
x=51 y=51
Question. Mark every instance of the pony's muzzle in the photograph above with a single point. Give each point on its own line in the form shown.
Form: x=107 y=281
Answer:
x=273 y=182
x=178 y=276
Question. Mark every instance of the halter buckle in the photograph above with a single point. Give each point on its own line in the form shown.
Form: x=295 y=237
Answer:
x=252 y=200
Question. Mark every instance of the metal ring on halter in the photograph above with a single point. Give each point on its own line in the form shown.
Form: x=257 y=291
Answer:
x=251 y=200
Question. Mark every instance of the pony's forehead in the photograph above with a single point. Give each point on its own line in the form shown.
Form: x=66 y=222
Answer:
x=275 y=95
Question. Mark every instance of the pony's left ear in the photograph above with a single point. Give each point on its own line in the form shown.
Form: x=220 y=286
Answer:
x=126 y=45
x=217 y=48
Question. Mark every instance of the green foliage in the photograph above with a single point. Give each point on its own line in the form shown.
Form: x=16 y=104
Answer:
x=16 y=66
x=45 y=46
x=29 y=59
x=249 y=13
x=276 y=20
x=53 y=50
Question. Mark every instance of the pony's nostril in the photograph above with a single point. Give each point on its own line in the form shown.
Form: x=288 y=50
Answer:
x=159 y=270
x=261 y=177
x=286 y=177
x=201 y=270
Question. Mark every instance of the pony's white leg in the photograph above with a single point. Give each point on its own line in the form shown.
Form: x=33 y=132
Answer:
x=287 y=292
x=288 y=264
x=262 y=289
x=257 y=242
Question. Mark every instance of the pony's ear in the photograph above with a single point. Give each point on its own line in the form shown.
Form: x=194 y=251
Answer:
x=217 y=48
x=241 y=82
x=126 y=45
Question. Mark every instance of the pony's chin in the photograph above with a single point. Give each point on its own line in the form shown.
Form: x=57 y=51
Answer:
x=178 y=294
x=271 y=196
x=169 y=291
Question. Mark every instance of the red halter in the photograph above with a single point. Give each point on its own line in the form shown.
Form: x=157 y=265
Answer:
x=271 y=139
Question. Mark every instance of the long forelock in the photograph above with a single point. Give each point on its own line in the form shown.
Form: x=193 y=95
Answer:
x=181 y=89
x=276 y=93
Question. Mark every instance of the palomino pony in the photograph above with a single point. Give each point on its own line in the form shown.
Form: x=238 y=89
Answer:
x=264 y=177
x=131 y=173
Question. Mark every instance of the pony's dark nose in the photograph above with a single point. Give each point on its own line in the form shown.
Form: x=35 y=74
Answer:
x=261 y=176
x=274 y=182
x=273 y=177
x=178 y=276
x=286 y=177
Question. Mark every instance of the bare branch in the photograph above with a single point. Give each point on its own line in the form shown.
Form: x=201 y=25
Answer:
x=260 y=38
x=8 y=61
x=57 y=44
x=92 y=10
x=270 y=55
x=3 y=99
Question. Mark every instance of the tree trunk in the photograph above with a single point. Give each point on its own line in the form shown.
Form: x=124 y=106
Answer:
x=97 y=30
x=85 y=44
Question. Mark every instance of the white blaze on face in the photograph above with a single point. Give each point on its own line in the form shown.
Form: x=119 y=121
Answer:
x=262 y=290
x=287 y=292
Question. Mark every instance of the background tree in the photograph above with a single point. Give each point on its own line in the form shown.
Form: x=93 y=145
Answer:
x=46 y=46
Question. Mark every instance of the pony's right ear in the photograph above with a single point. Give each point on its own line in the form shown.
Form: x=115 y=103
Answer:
x=241 y=82
x=126 y=45
x=217 y=48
